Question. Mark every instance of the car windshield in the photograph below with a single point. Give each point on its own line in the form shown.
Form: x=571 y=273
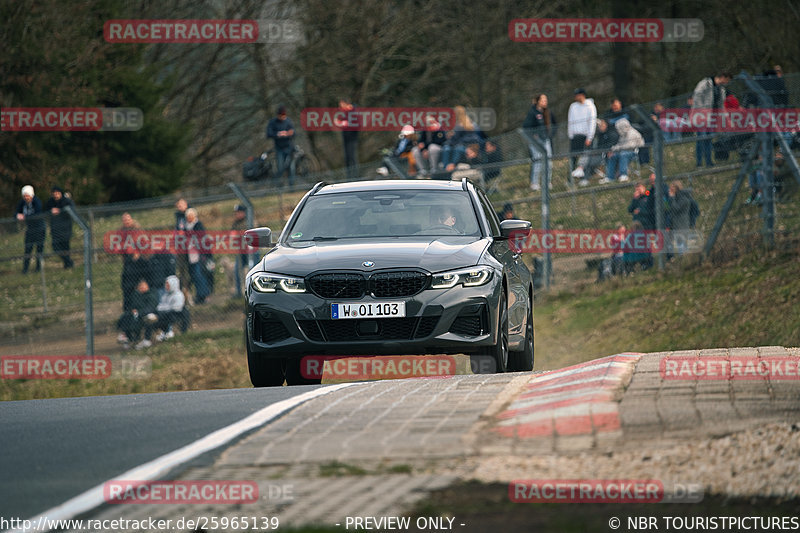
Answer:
x=385 y=214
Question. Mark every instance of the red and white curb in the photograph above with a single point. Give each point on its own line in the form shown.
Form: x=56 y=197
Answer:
x=577 y=400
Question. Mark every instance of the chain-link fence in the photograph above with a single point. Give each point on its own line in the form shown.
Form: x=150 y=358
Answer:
x=58 y=310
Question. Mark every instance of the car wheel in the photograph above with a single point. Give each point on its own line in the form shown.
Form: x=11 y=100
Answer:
x=499 y=352
x=294 y=376
x=264 y=371
x=523 y=360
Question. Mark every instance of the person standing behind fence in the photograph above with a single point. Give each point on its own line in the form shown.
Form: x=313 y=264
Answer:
x=198 y=257
x=181 y=262
x=640 y=207
x=133 y=267
x=242 y=260
x=349 y=139
x=581 y=124
x=29 y=209
x=709 y=94
x=281 y=130
x=60 y=223
x=624 y=151
x=540 y=123
x=680 y=207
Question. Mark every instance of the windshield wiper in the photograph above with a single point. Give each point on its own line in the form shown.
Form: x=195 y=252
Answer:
x=325 y=238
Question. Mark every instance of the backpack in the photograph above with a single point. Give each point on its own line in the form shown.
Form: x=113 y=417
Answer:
x=254 y=169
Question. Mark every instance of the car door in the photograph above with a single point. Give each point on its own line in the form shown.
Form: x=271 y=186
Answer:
x=511 y=261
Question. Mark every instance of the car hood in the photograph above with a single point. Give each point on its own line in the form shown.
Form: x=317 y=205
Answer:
x=431 y=254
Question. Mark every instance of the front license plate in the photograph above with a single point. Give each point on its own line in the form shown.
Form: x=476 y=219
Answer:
x=369 y=310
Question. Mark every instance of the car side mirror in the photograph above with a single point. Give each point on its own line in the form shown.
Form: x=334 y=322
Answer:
x=259 y=237
x=513 y=226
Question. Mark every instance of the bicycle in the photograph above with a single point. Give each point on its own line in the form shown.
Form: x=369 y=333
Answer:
x=303 y=163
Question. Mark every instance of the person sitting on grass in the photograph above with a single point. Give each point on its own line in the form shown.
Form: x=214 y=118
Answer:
x=170 y=309
x=141 y=315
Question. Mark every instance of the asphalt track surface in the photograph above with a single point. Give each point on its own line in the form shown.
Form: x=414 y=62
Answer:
x=52 y=450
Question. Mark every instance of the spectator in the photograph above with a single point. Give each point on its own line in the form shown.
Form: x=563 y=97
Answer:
x=171 y=309
x=581 y=124
x=680 y=205
x=493 y=157
x=615 y=113
x=429 y=146
x=181 y=260
x=624 y=151
x=709 y=94
x=756 y=180
x=349 y=139
x=641 y=208
x=507 y=213
x=281 y=130
x=651 y=199
x=464 y=134
x=60 y=223
x=614 y=265
x=540 y=123
x=634 y=258
x=606 y=137
x=29 y=209
x=658 y=115
x=198 y=257
x=134 y=268
x=242 y=260
x=140 y=315
x=782 y=174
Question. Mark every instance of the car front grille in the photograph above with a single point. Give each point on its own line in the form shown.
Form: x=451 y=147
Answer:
x=368 y=329
x=338 y=285
x=396 y=284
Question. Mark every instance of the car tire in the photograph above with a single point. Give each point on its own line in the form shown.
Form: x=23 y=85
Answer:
x=499 y=352
x=522 y=361
x=295 y=377
x=264 y=371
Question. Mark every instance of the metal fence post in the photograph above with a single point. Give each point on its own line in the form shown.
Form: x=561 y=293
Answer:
x=87 y=277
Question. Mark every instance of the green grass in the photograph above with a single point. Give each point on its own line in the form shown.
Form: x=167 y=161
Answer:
x=747 y=302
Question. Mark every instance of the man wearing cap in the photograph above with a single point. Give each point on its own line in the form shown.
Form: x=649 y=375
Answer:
x=29 y=209
x=581 y=124
x=281 y=130
x=60 y=223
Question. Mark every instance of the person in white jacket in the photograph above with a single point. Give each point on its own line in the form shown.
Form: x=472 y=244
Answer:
x=170 y=308
x=623 y=152
x=581 y=124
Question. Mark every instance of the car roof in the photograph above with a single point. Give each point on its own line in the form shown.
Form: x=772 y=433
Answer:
x=390 y=185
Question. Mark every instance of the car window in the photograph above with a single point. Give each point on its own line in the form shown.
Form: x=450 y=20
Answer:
x=491 y=216
x=385 y=214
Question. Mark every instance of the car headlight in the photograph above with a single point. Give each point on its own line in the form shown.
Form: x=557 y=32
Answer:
x=263 y=282
x=468 y=277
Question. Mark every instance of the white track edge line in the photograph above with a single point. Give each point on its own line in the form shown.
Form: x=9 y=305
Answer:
x=94 y=497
